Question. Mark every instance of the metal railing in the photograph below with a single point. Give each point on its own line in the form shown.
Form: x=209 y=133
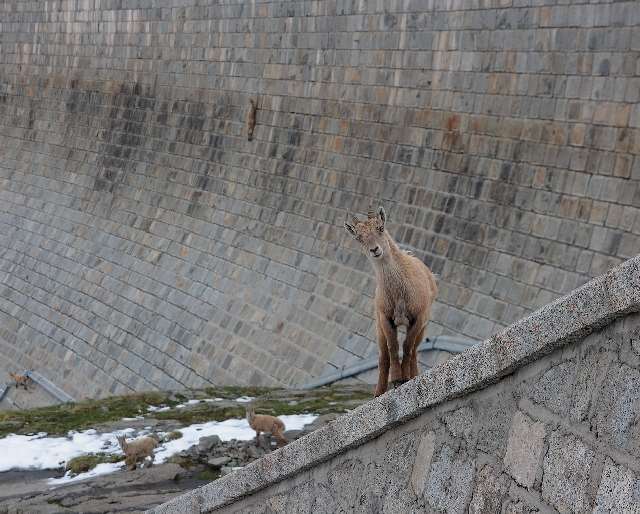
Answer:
x=49 y=386
x=449 y=344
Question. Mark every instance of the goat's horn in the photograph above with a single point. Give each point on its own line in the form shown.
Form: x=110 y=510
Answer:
x=371 y=213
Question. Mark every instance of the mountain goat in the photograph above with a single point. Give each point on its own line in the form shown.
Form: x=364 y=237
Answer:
x=405 y=290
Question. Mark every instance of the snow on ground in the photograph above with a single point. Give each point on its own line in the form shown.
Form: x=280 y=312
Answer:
x=103 y=468
x=161 y=408
x=229 y=429
x=42 y=452
x=164 y=408
x=190 y=402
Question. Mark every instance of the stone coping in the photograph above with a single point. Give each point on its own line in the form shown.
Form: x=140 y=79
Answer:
x=588 y=308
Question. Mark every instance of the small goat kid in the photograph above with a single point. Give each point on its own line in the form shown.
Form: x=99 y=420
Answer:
x=20 y=380
x=405 y=290
x=137 y=450
x=265 y=423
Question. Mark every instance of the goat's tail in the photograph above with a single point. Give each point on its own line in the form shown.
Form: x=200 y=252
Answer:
x=278 y=431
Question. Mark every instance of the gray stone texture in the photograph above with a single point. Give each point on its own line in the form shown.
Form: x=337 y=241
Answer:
x=145 y=243
x=409 y=451
x=524 y=449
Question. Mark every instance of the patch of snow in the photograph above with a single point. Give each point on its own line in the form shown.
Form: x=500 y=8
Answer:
x=103 y=468
x=137 y=418
x=245 y=399
x=41 y=452
x=190 y=402
x=209 y=400
x=162 y=408
x=229 y=429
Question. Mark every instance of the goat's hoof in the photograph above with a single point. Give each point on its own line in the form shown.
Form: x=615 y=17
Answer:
x=398 y=383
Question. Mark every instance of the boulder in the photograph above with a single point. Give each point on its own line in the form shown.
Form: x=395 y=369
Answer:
x=218 y=462
x=205 y=444
x=292 y=435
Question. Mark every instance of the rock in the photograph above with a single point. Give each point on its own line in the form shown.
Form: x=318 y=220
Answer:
x=218 y=462
x=225 y=470
x=254 y=452
x=319 y=422
x=291 y=435
x=205 y=444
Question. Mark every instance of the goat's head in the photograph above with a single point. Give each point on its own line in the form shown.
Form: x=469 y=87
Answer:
x=250 y=411
x=370 y=233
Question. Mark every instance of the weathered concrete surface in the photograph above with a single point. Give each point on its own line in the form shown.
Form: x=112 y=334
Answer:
x=542 y=416
x=145 y=243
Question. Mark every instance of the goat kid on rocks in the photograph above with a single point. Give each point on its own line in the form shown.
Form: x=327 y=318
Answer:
x=265 y=423
x=137 y=450
x=405 y=291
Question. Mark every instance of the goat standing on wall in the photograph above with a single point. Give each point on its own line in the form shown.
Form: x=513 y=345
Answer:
x=405 y=290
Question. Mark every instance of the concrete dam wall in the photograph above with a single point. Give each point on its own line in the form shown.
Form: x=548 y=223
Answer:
x=541 y=417
x=146 y=243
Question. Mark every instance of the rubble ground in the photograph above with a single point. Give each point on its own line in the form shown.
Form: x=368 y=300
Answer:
x=170 y=414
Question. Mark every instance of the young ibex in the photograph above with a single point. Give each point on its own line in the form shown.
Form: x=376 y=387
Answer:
x=405 y=290
x=137 y=450
x=265 y=423
x=20 y=380
x=251 y=118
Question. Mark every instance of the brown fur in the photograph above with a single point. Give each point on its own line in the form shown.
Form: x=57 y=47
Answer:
x=251 y=118
x=137 y=450
x=405 y=290
x=265 y=423
x=20 y=380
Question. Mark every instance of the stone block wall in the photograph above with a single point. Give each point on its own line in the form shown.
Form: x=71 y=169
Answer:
x=145 y=243
x=542 y=417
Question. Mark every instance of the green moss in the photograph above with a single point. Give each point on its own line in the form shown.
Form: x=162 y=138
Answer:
x=233 y=392
x=208 y=475
x=183 y=462
x=59 y=419
x=201 y=413
x=85 y=463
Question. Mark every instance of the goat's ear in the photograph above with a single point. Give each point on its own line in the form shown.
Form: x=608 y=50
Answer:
x=382 y=215
x=350 y=228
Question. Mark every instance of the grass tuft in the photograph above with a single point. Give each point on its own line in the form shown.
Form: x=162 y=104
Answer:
x=86 y=463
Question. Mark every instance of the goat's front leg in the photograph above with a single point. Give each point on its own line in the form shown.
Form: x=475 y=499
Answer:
x=391 y=335
x=415 y=333
x=383 y=360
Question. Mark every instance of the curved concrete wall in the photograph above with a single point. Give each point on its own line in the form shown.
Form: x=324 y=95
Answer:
x=540 y=417
x=145 y=243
